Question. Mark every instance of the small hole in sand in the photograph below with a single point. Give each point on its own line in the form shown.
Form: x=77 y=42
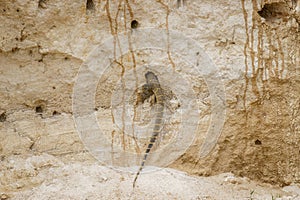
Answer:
x=38 y=109
x=134 y=24
x=90 y=5
x=55 y=113
x=3 y=117
x=257 y=142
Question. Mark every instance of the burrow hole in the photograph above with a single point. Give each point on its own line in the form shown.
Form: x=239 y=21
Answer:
x=257 y=142
x=90 y=5
x=3 y=117
x=134 y=24
x=42 y=4
x=39 y=109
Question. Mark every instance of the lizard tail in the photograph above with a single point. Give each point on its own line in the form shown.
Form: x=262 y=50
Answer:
x=136 y=176
x=152 y=140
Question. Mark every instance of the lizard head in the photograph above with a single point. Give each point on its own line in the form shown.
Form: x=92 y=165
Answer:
x=151 y=78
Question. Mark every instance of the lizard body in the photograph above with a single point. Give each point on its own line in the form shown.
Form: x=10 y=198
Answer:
x=153 y=84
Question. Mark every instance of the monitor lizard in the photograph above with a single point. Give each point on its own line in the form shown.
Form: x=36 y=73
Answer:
x=154 y=86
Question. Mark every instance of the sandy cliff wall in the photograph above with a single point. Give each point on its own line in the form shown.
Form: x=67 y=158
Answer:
x=254 y=46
